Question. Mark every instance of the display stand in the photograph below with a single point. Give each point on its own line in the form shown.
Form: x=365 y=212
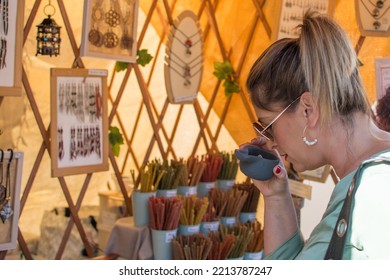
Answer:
x=11 y=168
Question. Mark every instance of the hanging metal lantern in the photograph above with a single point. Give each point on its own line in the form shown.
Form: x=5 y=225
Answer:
x=48 y=35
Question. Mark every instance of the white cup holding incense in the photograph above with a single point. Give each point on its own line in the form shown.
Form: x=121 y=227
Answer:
x=206 y=227
x=166 y=192
x=229 y=221
x=162 y=243
x=225 y=185
x=204 y=188
x=247 y=217
x=187 y=190
x=188 y=229
x=141 y=210
x=254 y=255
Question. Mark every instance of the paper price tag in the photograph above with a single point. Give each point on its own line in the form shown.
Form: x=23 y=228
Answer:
x=95 y=72
x=171 y=193
x=170 y=236
x=230 y=183
x=191 y=191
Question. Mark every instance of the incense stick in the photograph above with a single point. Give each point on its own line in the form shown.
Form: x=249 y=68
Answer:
x=164 y=212
x=193 y=210
x=213 y=166
x=257 y=242
x=191 y=247
x=227 y=204
x=150 y=178
x=243 y=234
x=192 y=171
x=221 y=246
x=229 y=166
x=251 y=203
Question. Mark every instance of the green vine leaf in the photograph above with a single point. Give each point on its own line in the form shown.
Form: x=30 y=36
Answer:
x=231 y=87
x=143 y=57
x=116 y=139
x=224 y=72
x=121 y=66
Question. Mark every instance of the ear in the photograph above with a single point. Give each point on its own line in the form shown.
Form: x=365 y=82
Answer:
x=310 y=109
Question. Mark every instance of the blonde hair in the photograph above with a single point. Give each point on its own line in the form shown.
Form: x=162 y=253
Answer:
x=321 y=61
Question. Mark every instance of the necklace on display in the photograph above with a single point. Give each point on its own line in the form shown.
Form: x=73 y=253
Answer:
x=187 y=43
x=186 y=68
x=379 y=4
x=376 y=12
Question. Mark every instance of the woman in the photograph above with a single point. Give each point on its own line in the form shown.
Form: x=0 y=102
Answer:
x=383 y=111
x=312 y=110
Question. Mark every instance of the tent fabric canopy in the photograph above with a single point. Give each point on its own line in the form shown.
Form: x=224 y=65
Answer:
x=235 y=19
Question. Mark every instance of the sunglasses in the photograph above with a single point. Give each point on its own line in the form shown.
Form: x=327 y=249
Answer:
x=262 y=131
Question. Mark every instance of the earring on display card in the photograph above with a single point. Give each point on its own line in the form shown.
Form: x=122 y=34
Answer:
x=7 y=211
x=3 y=190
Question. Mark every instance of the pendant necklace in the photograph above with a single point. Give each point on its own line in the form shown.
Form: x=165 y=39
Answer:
x=376 y=12
x=188 y=44
x=186 y=68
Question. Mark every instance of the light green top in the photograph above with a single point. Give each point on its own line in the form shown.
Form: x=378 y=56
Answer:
x=369 y=234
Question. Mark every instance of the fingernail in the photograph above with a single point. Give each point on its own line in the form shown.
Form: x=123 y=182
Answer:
x=278 y=170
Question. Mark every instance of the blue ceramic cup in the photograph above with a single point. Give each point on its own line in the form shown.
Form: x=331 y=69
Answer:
x=256 y=163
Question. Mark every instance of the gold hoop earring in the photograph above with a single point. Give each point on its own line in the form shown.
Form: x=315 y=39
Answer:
x=308 y=142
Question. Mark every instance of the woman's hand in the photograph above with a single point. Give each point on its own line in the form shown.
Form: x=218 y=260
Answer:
x=277 y=186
